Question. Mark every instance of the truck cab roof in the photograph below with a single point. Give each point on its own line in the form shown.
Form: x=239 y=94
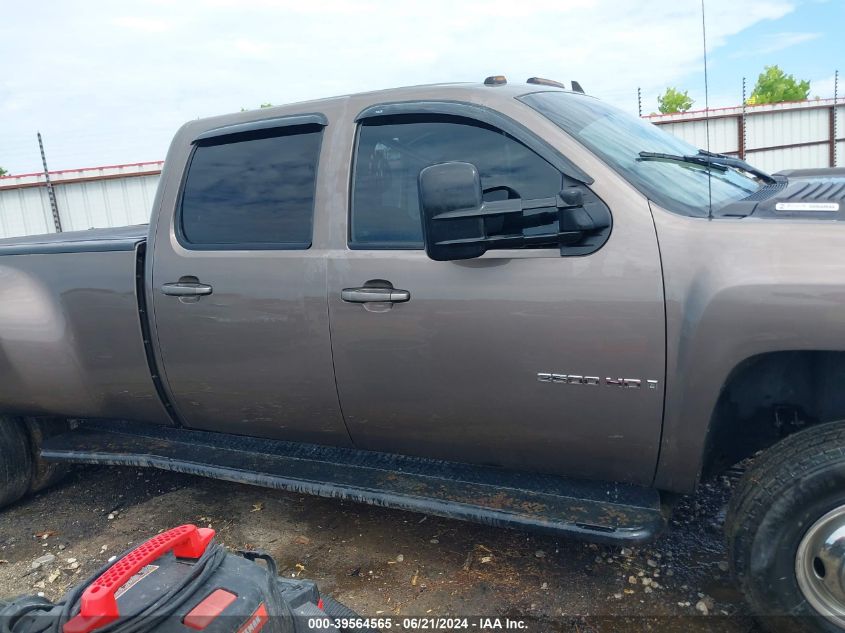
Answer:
x=446 y=90
x=472 y=92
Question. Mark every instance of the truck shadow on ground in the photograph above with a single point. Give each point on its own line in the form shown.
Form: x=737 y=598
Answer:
x=388 y=562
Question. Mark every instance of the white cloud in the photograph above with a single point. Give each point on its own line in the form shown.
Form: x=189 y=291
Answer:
x=250 y=48
x=823 y=87
x=774 y=42
x=145 y=25
x=114 y=95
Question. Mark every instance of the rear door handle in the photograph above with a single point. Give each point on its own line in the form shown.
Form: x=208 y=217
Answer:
x=186 y=289
x=369 y=294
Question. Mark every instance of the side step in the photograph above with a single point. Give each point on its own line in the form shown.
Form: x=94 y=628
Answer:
x=602 y=512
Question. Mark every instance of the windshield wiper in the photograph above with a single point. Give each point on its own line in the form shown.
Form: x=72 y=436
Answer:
x=692 y=159
x=720 y=162
x=738 y=163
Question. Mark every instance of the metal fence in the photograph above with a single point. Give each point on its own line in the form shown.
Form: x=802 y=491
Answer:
x=117 y=195
x=772 y=137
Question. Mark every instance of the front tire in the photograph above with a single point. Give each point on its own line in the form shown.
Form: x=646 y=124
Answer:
x=15 y=461
x=786 y=532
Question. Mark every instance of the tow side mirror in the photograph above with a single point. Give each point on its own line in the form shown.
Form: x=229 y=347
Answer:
x=448 y=191
x=458 y=224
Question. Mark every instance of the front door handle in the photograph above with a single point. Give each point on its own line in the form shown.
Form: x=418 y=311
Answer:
x=186 y=289
x=369 y=294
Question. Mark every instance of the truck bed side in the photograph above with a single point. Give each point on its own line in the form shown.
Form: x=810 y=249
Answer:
x=71 y=341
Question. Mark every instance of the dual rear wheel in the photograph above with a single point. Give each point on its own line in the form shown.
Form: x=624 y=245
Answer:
x=15 y=461
x=22 y=471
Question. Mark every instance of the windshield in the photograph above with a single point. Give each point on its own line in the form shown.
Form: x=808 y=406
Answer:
x=618 y=138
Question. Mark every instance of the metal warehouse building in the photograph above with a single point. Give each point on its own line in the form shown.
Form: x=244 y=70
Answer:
x=773 y=137
x=117 y=195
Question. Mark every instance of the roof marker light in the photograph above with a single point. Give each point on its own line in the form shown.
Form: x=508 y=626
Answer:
x=545 y=82
x=495 y=80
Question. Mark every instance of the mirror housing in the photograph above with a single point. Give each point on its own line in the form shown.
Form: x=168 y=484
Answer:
x=446 y=188
x=455 y=217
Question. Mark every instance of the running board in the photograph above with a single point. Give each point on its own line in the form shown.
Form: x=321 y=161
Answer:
x=602 y=512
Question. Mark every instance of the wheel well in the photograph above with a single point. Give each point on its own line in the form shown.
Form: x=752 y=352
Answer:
x=770 y=396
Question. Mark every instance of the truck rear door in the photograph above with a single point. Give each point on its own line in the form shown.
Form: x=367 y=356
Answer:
x=521 y=358
x=238 y=285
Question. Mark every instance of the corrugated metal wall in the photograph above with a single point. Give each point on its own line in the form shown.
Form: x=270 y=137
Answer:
x=118 y=202
x=723 y=133
x=24 y=212
x=772 y=137
x=87 y=198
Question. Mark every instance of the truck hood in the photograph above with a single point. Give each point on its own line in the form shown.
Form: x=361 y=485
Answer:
x=807 y=194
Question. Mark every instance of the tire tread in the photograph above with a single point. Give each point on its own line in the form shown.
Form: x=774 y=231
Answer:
x=800 y=455
x=15 y=461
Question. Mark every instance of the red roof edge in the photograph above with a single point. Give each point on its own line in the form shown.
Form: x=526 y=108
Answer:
x=68 y=171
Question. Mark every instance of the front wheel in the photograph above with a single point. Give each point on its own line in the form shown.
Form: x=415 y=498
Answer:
x=786 y=532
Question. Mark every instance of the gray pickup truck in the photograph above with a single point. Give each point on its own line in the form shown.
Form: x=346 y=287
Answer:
x=505 y=303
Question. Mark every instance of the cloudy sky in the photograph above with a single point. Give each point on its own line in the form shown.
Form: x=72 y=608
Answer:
x=109 y=82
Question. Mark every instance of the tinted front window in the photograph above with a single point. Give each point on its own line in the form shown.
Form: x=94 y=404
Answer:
x=618 y=138
x=256 y=190
x=393 y=150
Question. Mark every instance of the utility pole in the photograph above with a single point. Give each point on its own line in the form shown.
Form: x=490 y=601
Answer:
x=743 y=137
x=835 y=127
x=57 y=221
x=640 y=102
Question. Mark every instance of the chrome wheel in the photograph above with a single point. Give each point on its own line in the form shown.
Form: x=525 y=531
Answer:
x=820 y=566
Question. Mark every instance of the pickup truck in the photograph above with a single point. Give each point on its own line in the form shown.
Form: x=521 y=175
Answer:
x=498 y=302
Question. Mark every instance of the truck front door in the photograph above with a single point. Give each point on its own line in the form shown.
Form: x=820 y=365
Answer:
x=455 y=360
x=239 y=287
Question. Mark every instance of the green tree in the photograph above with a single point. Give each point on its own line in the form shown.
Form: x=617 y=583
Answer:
x=673 y=100
x=3 y=172
x=775 y=86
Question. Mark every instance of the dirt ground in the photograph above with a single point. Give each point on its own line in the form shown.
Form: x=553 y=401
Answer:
x=386 y=562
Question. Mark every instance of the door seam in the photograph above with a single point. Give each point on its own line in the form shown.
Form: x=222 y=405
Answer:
x=331 y=354
x=665 y=348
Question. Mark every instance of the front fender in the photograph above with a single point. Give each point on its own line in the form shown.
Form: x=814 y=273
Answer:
x=737 y=288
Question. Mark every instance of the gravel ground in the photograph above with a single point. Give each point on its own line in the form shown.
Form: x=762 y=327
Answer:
x=386 y=562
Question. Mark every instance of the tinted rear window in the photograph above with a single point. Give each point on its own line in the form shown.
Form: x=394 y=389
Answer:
x=253 y=191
